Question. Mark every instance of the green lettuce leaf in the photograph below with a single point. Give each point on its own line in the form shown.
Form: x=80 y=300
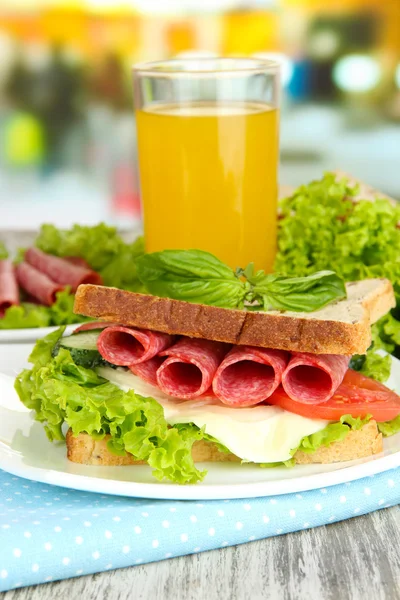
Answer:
x=29 y=315
x=60 y=391
x=322 y=228
x=61 y=312
x=304 y=294
x=284 y=463
x=334 y=432
x=102 y=248
x=198 y=276
x=25 y=316
x=386 y=333
x=204 y=435
x=220 y=446
x=390 y=427
x=43 y=349
x=3 y=251
x=193 y=276
x=372 y=365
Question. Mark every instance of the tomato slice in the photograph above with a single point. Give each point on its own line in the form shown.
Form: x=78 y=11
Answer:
x=358 y=396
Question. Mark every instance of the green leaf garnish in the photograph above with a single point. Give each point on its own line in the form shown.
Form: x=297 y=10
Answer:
x=193 y=276
x=197 y=276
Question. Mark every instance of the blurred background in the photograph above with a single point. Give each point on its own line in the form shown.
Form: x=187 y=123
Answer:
x=67 y=131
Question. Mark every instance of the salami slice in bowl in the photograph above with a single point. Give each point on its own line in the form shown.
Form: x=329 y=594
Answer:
x=314 y=378
x=190 y=367
x=9 y=294
x=37 y=284
x=126 y=346
x=249 y=375
x=61 y=271
x=77 y=260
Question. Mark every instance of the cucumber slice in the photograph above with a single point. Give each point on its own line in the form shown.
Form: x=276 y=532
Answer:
x=86 y=358
x=84 y=340
x=82 y=347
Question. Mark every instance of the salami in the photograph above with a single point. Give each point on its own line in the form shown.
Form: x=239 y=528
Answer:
x=314 y=378
x=93 y=325
x=249 y=375
x=61 y=271
x=190 y=367
x=77 y=260
x=126 y=346
x=148 y=370
x=9 y=294
x=37 y=284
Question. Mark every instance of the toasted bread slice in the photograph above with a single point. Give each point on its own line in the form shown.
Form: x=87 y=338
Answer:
x=364 y=442
x=340 y=328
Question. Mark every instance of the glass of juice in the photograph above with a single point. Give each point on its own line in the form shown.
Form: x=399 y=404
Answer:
x=208 y=144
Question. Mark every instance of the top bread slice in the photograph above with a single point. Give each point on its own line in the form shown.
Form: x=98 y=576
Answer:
x=342 y=327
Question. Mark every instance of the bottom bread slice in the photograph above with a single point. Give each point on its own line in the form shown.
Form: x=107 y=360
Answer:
x=360 y=443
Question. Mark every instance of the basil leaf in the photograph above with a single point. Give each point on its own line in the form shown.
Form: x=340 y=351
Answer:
x=198 y=276
x=193 y=276
x=304 y=294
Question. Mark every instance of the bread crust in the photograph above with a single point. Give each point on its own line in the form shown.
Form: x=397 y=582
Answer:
x=284 y=331
x=360 y=443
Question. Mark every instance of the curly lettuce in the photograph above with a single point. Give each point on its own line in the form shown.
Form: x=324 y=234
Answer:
x=60 y=391
x=390 y=427
x=334 y=432
x=372 y=365
x=28 y=315
x=25 y=316
x=323 y=226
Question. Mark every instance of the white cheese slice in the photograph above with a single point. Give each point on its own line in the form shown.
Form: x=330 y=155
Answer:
x=261 y=434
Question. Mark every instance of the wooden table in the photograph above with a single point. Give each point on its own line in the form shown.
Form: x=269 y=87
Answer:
x=357 y=559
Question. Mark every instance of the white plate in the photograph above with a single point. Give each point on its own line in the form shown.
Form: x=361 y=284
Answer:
x=26 y=452
x=29 y=335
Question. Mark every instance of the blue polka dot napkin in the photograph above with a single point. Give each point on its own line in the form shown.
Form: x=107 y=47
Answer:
x=49 y=533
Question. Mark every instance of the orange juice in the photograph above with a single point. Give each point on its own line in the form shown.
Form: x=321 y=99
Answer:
x=208 y=176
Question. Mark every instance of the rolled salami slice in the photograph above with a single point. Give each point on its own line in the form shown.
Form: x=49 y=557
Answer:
x=249 y=375
x=77 y=260
x=314 y=378
x=93 y=325
x=60 y=270
x=126 y=346
x=190 y=367
x=9 y=294
x=148 y=370
x=37 y=284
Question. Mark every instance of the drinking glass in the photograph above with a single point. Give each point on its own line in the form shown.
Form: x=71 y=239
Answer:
x=208 y=146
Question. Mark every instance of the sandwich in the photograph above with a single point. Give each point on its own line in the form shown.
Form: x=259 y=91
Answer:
x=213 y=366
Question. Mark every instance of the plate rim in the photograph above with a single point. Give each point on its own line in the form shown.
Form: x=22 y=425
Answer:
x=204 y=491
x=31 y=334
